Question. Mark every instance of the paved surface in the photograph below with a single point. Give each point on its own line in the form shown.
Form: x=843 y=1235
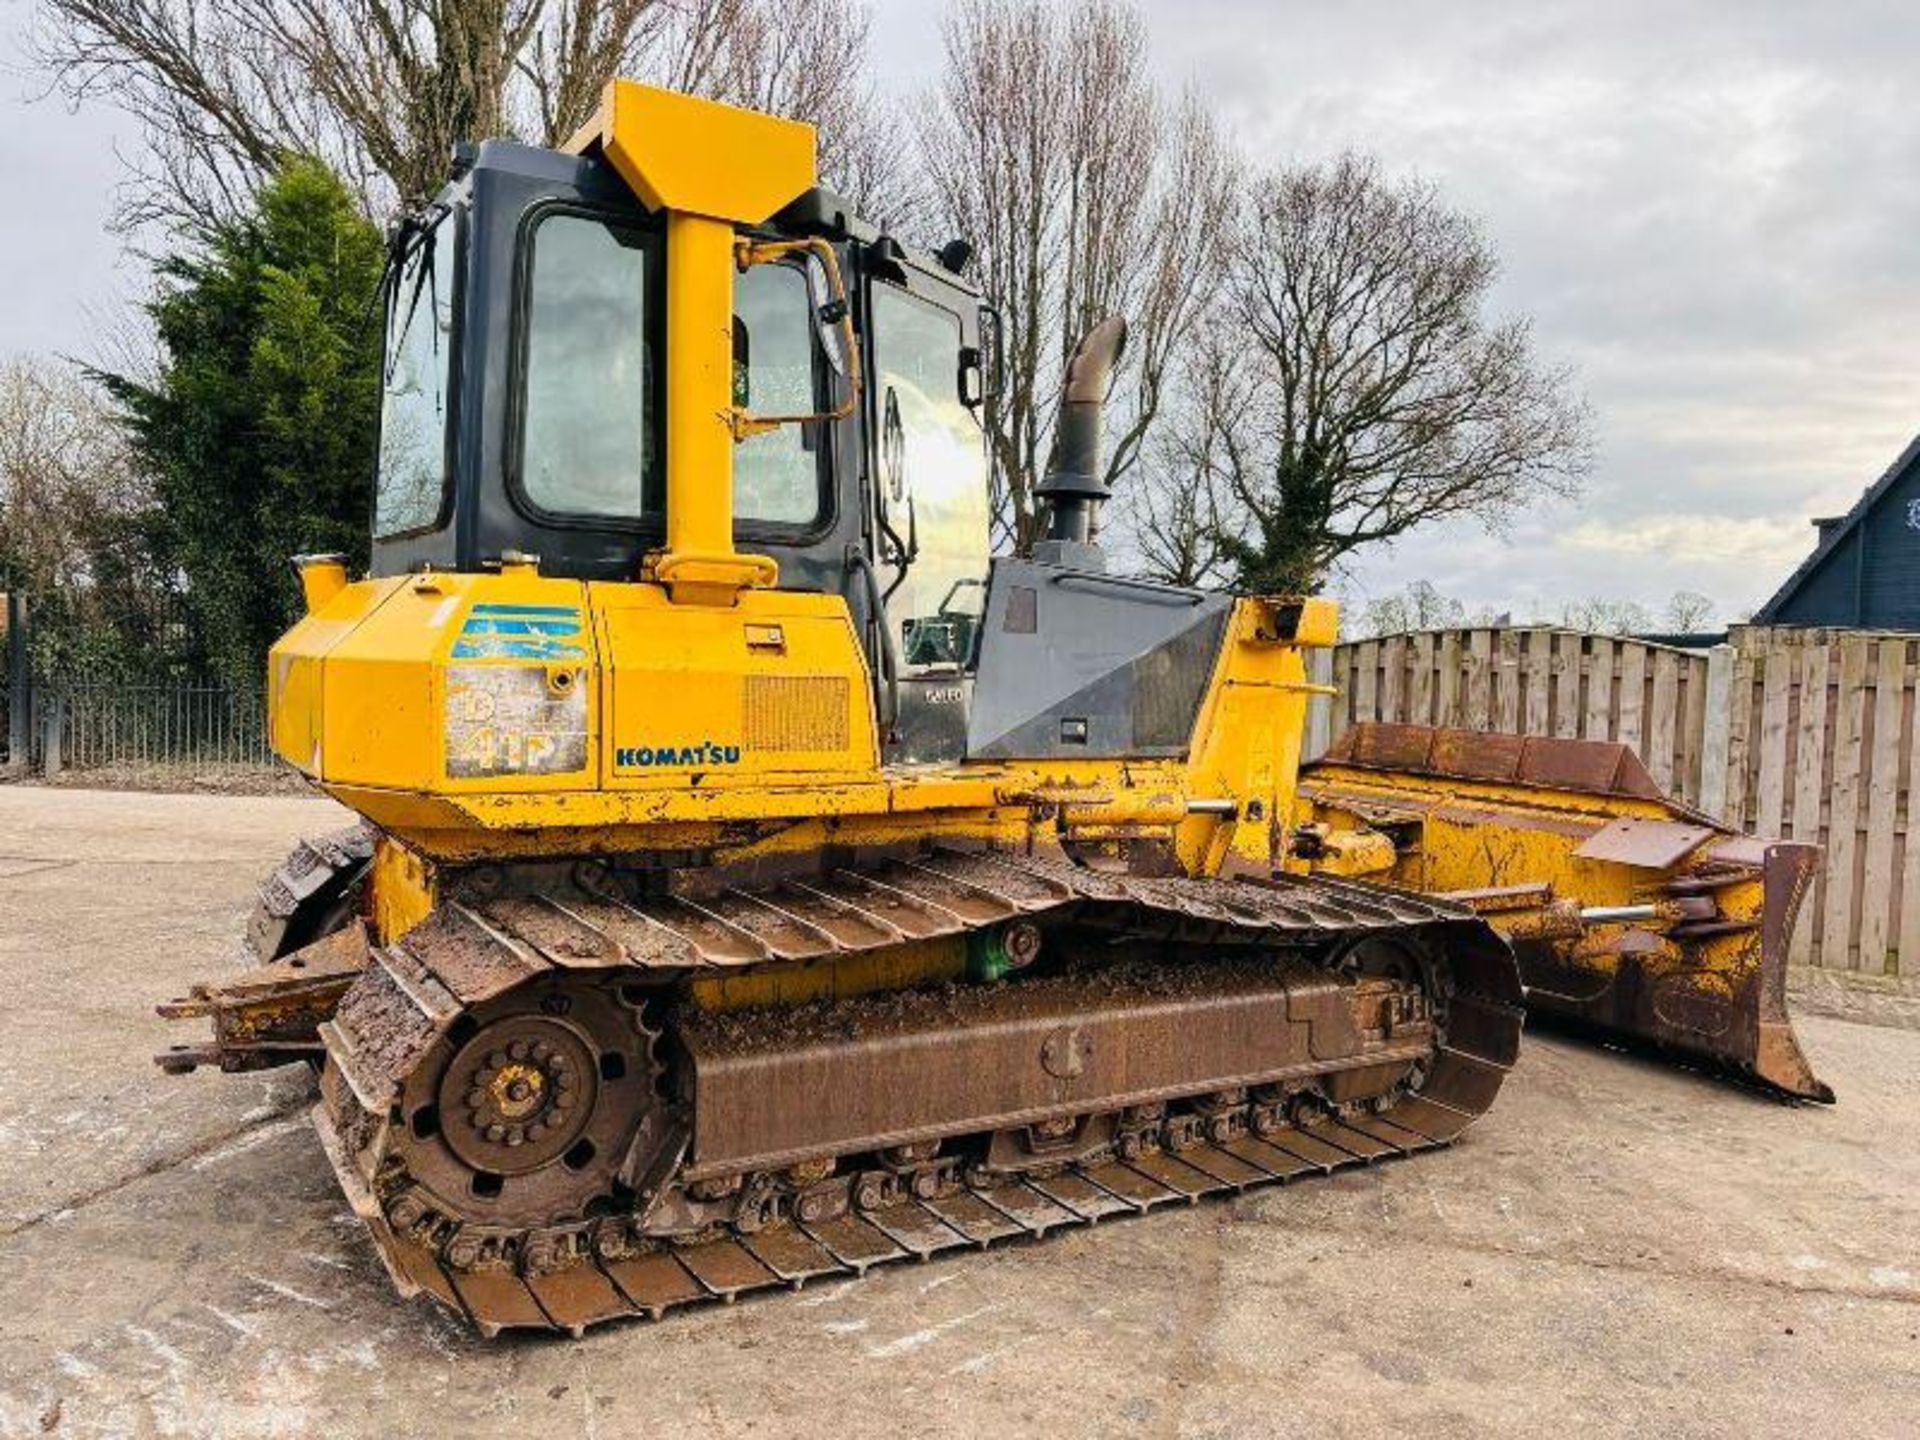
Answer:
x=1618 y=1249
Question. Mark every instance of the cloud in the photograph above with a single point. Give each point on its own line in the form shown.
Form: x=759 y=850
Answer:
x=1708 y=211
x=70 y=280
x=1697 y=539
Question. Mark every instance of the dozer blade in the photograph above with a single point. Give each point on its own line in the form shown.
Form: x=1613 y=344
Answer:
x=1630 y=913
x=271 y=1014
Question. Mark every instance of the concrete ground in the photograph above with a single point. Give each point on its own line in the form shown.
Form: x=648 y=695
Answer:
x=1618 y=1249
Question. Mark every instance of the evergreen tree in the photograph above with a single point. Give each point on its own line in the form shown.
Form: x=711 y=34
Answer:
x=259 y=433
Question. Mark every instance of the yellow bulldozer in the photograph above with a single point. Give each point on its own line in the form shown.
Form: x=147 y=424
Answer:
x=760 y=880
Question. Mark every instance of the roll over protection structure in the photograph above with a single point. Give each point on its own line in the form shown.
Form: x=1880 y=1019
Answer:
x=709 y=168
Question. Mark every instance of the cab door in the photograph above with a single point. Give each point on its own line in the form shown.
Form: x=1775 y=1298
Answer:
x=928 y=503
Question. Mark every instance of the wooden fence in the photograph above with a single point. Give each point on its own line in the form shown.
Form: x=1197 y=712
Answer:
x=1821 y=745
x=1800 y=734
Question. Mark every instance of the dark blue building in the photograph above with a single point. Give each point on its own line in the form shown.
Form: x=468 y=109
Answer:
x=1865 y=572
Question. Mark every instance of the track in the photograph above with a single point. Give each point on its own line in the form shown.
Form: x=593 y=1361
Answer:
x=678 y=1239
x=790 y=1254
x=310 y=891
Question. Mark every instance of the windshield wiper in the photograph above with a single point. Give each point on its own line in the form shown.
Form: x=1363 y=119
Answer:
x=414 y=237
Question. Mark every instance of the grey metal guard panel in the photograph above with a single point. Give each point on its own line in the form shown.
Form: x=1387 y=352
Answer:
x=1077 y=664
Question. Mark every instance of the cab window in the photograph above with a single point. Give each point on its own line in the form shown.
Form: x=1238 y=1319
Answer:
x=931 y=482
x=410 y=489
x=588 y=429
x=776 y=475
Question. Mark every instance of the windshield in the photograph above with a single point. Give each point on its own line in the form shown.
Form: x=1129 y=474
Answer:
x=415 y=376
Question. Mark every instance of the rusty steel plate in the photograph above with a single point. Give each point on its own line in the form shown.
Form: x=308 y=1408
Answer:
x=577 y=1297
x=655 y=1283
x=1594 y=767
x=724 y=1267
x=914 y=1228
x=790 y=1254
x=1080 y=1195
x=1645 y=844
x=1741 y=849
x=1223 y=1166
x=1027 y=1207
x=853 y=1242
x=952 y=1063
x=974 y=1218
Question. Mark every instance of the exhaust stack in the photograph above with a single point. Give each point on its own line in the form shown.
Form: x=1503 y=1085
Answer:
x=1074 y=486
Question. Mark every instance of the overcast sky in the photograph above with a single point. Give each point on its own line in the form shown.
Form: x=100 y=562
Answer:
x=1711 y=210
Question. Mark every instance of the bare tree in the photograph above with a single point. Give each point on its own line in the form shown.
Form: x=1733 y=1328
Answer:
x=1086 y=192
x=1366 y=392
x=1689 y=612
x=809 y=61
x=1606 y=617
x=77 y=528
x=64 y=467
x=382 y=89
x=1420 y=606
x=1171 y=516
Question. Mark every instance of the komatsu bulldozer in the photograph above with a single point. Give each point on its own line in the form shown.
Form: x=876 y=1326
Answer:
x=758 y=879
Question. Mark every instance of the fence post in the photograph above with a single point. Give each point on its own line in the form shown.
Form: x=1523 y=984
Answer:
x=1716 y=731
x=19 y=685
x=1319 y=707
x=50 y=757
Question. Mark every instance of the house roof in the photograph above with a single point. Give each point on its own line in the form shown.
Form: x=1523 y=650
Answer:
x=1836 y=533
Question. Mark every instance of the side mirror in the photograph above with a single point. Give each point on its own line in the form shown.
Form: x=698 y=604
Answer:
x=990 y=358
x=973 y=385
x=893 y=450
x=896 y=484
x=829 y=311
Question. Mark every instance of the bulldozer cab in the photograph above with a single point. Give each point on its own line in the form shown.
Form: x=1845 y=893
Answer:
x=523 y=412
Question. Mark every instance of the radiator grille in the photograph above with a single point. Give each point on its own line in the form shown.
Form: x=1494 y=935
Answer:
x=795 y=712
